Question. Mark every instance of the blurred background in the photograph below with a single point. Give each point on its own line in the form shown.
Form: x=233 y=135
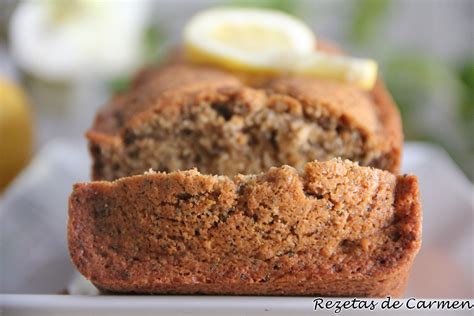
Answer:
x=60 y=60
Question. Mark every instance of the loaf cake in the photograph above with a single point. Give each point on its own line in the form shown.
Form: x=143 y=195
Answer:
x=334 y=228
x=183 y=116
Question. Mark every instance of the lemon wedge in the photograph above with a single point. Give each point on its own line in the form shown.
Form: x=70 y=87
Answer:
x=246 y=39
x=265 y=41
x=361 y=72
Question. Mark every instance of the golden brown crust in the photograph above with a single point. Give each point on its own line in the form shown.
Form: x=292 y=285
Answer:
x=149 y=86
x=390 y=119
x=335 y=230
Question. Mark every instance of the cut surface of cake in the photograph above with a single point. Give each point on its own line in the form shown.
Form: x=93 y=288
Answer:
x=333 y=228
x=182 y=116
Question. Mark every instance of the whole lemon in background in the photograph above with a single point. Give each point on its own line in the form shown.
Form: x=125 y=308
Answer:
x=16 y=137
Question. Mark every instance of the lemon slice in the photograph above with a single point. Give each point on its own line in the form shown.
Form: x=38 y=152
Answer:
x=361 y=72
x=266 y=41
x=246 y=39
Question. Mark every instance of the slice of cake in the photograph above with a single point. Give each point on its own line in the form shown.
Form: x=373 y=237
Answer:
x=334 y=229
x=183 y=116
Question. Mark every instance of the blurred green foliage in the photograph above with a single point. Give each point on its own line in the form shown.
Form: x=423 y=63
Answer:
x=152 y=48
x=466 y=111
x=288 y=6
x=412 y=78
x=119 y=84
x=367 y=16
x=153 y=39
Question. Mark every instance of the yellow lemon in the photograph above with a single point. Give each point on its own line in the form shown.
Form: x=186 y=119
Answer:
x=246 y=39
x=267 y=42
x=361 y=72
x=15 y=132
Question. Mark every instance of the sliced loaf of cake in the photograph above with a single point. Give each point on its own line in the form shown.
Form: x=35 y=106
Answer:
x=333 y=229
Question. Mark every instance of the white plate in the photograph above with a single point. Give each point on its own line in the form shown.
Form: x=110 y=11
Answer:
x=34 y=258
x=51 y=305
